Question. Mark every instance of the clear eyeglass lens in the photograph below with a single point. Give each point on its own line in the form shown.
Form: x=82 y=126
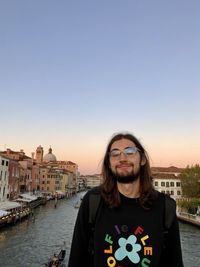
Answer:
x=130 y=150
x=127 y=151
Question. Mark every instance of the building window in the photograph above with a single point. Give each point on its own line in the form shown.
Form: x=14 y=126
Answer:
x=178 y=184
x=2 y=162
x=172 y=193
x=178 y=193
x=156 y=183
x=162 y=183
x=6 y=163
x=171 y=183
x=167 y=184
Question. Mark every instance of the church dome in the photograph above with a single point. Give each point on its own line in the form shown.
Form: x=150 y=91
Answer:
x=50 y=156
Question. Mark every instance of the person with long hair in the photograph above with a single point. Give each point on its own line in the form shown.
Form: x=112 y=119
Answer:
x=129 y=227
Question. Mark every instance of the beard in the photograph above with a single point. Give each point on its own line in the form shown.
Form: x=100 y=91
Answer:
x=127 y=178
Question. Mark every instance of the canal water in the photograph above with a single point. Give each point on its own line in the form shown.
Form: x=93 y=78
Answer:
x=33 y=241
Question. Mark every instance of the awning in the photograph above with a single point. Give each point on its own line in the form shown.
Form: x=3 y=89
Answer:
x=27 y=196
x=6 y=205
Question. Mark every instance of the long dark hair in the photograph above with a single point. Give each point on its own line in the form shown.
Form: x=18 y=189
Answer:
x=110 y=191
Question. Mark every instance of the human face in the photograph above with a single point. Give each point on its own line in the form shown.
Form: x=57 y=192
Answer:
x=125 y=166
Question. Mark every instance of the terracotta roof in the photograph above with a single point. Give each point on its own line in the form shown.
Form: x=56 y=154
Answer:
x=164 y=176
x=167 y=169
x=71 y=163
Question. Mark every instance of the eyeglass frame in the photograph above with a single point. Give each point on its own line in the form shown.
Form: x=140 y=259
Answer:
x=134 y=151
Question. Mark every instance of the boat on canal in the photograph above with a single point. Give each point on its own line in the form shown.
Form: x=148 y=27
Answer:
x=57 y=259
x=11 y=212
x=78 y=203
x=31 y=201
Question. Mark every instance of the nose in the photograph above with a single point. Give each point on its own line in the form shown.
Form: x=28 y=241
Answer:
x=122 y=156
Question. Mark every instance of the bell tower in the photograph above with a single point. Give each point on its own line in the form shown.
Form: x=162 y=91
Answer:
x=39 y=154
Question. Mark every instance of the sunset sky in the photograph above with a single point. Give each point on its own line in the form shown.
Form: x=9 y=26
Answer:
x=73 y=73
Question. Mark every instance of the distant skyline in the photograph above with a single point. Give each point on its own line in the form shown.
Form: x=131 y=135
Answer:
x=72 y=73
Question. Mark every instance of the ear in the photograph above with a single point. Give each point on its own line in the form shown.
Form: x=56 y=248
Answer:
x=143 y=160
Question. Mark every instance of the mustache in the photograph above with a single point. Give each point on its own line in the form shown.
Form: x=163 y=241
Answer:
x=122 y=164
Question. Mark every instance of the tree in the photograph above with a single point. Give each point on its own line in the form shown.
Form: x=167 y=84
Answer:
x=190 y=181
x=189 y=205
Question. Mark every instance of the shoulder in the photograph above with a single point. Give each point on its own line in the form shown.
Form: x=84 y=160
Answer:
x=169 y=201
x=169 y=209
x=166 y=197
x=92 y=192
x=92 y=200
x=95 y=190
x=166 y=201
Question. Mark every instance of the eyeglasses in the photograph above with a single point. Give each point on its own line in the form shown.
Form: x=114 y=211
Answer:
x=128 y=151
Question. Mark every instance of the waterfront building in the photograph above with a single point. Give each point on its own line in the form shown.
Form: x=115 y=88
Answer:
x=68 y=165
x=17 y=155
x=13 y=179
x=50 y=179
x=25 y=168
x=35 y=177
x=64 y=181
x=167 y=180
x=93 y=180
x=72 y=168
x=25 y=180
x=68 y=182
x=4 y=174
x=82 y=183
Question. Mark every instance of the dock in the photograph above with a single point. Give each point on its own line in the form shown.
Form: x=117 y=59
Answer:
x=189 y=218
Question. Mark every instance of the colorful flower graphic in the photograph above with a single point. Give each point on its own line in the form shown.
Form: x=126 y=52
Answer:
x=128 y=248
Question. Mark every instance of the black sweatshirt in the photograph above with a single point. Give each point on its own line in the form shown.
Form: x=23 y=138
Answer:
x=128 y=236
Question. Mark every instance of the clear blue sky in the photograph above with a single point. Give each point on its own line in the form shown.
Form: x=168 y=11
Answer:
x=74 y=72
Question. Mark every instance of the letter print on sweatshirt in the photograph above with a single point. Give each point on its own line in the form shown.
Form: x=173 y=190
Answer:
x=135 y=248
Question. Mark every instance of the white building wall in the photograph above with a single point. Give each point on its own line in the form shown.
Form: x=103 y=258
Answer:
x=168 y=186
x=93 y=181
x=4 y=188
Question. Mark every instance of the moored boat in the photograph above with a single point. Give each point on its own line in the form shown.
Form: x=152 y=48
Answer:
x=78 y=203
x=56 y=260
x=30 y=201
x=11 y=212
